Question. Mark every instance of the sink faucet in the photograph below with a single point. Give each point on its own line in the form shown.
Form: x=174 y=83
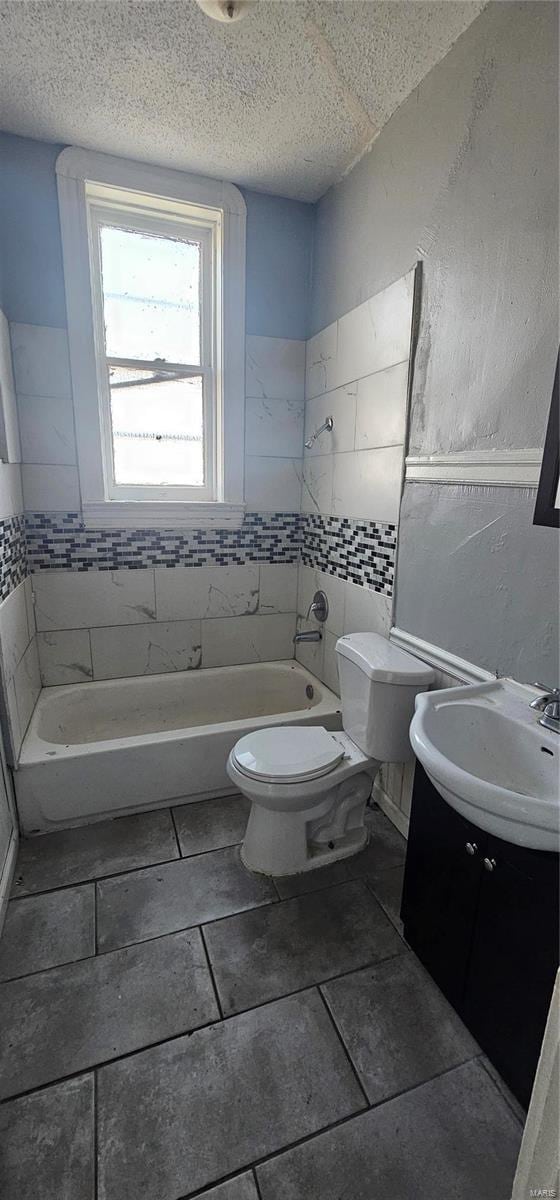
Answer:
x=549 y=705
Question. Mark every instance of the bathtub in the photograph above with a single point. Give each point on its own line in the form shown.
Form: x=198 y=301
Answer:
x=98 y=750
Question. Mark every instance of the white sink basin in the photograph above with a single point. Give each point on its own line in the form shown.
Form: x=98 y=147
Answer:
x=486 y=754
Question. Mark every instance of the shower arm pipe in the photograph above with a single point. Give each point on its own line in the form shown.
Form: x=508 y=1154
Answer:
x=326 y=427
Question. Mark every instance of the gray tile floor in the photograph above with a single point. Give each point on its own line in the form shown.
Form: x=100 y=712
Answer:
x=171 y=1025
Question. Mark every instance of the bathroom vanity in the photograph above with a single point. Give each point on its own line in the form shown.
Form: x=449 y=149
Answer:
x=482 y=916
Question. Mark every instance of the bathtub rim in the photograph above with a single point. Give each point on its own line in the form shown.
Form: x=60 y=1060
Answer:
x=35 y=750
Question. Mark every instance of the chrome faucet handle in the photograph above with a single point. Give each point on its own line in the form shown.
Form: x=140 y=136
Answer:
x=551 y=716
x=550 y=696
x=319 y=607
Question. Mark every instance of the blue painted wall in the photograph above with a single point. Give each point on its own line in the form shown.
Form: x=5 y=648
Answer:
x=279 y=234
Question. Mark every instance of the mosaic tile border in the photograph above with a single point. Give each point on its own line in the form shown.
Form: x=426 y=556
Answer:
x=13 y=554
x=362 y=552
x=61 y=541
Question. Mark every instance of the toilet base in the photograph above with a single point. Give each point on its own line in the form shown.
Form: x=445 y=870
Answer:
x=289 y=843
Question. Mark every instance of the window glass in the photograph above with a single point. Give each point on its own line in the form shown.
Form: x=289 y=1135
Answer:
x=151 y=295
x=157 y=428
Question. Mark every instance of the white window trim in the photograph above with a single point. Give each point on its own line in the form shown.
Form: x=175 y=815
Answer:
x=74 y=167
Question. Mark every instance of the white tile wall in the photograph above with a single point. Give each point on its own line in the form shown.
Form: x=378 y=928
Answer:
x=249 y=639
x=47 y=429
x=352 y=609
x=10 y=446
x=367 y=483
x=278 y=588
x=41 y=361
x=317 y=484
x=78 y=600
x=275 y=368
x=381 y=408
x=376 y=334
x=341 y=406
x=274 y=427
x=19 y=667
x=50 y=488
x=145 y=649
x=272 y=484
x=192 y=592
x=320 y=362
x=65 y=656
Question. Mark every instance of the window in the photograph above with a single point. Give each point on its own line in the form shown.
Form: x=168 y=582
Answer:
x=155 y=296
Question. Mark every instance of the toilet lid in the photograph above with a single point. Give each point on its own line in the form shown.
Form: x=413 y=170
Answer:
x=288 y=753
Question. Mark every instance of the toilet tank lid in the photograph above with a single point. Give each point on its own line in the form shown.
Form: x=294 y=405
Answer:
x=379 y=659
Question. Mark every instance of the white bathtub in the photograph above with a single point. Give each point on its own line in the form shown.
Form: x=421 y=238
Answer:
x=97 y=750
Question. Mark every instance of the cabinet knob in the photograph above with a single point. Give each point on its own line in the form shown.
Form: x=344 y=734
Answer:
x=471 y=847
x=489 y=864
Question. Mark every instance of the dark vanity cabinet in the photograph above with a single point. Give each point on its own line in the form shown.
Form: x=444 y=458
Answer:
x=482 y=915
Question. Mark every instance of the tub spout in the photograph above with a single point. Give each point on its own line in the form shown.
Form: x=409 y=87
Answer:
x=308 y=635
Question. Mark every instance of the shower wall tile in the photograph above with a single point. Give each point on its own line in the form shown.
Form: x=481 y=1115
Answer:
x=278 y=588
x=145 y=649
x=367 y=611
x=227 y=642
x=65 y=657
x=41 y=360
x=47 y=429
x=17 y=666
x=50 y=488
x=341 y=406
x=317 y=484
x=368 y=483
x=77 y=600
x=376 y=334
x=274 y=427
x=381 y=408
x=272 y=484
x=194 y=592
x=27 y=685
x=274 y=368
x=320 y=362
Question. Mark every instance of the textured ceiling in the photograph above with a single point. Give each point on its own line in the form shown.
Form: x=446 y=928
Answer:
x=283 y=101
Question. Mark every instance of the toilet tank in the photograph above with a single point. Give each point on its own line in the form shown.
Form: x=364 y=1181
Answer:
x=378 y=685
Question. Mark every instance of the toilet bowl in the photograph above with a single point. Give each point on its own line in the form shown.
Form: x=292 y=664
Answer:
x=309 y=786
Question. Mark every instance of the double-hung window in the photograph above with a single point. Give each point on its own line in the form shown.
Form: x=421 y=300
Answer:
x=155 y=295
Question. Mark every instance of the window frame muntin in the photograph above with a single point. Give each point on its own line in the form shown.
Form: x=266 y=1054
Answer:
x=152 y=220
x=74 y=167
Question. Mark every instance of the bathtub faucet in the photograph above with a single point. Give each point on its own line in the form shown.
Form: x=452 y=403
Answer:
x=308 y=635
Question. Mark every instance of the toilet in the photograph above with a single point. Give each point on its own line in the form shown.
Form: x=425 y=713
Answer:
x=309 y=786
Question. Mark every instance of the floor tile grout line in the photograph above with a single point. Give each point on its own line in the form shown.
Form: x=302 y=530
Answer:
x=211 y=971
x=95 y=944
x=165 y=862
x=256 y=1183
x=198 y=925
x=199 y=1193
x=346 y=1051
x=308 y=987
x=95 y=1136
x=176 y=832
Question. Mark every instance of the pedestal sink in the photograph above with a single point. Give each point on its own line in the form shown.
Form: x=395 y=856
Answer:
x=489 y=758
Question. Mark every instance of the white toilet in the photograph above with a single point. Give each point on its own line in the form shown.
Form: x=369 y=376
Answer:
x=309 y=787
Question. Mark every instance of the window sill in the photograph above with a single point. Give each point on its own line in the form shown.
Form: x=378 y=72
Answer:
x=114 y=514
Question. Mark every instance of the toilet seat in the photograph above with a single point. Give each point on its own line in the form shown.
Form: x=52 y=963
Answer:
x=288 y=753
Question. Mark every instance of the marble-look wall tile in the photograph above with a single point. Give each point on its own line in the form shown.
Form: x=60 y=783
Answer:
x=274 y=427
x=312 y=580
x=14 y=630
x=376 y=334
x=381 y=408
x=27 y=684
x=41 y=360
x=50 y=488
x=309 y=654
x=10 y=445
x=366 y=611
x=257 y=638
x=330 y=663
x=368 y=483
x=145 y=649
x=77 y=600
x=64 y=657
x=47 y=429
x=341 y=406
x=272 y=484
x=11 y=492
x=320 y=362
x=185 y=593
x=274 y=368
x=317 y=484
x=278 y=588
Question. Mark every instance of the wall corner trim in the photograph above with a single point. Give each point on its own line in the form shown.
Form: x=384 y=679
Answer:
x=498 y=468
x=443 y=660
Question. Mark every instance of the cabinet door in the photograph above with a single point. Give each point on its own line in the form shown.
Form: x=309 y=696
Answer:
x=513 y=960
x=441 y=886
